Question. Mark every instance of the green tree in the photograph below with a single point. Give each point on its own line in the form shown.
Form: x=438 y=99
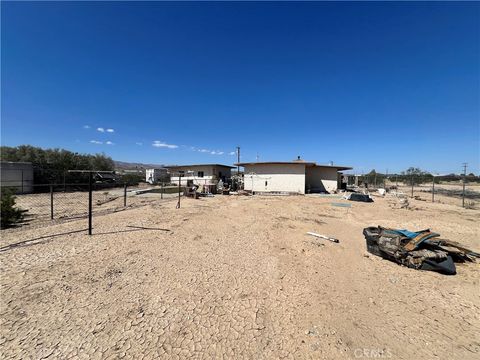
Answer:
x=52 y=164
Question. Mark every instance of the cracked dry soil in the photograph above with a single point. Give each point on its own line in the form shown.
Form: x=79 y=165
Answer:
x=236 y=277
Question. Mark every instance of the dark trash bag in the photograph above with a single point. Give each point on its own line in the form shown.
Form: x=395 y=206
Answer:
x=360 y=197
x=446 y=267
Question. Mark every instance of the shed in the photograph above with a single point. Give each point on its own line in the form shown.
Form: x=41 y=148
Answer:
x=17 y=175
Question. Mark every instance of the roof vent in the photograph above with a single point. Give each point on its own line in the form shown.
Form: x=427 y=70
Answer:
x=331 y=163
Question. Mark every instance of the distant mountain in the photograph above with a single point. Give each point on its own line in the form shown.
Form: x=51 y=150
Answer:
x=122 y=165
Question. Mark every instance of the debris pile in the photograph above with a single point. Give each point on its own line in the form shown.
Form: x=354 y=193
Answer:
x=421 y=250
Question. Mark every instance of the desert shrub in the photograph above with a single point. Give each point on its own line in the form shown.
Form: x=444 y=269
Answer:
x=132 y=179
x=10 y=214
x=469 y=205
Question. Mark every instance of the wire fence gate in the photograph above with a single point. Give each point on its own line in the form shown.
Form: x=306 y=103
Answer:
x=65 y=201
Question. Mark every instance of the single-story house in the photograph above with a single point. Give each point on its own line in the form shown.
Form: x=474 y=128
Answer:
x=200 y=174
x=295 y=177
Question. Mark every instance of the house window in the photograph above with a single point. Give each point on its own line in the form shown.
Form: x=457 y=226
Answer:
x=200 y=174
x=266 y=183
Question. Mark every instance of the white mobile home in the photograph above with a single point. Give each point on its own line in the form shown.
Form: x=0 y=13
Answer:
x=156 y=175
x=295 y=177
x=200 y=174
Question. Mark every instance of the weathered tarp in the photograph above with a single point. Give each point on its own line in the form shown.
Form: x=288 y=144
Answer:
x=419 y=250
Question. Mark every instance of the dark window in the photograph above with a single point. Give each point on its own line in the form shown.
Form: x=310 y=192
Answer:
x=200 y=174
x=266 y=183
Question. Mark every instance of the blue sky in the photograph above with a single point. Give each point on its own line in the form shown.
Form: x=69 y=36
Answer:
x=371 y=85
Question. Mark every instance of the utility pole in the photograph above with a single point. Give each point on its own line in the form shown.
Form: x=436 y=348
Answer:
x=464 y=176
x=238 y=160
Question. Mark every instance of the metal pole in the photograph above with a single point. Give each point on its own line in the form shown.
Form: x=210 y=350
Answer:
x=22 y=181
x=125 y=195
x=412 y=183
x=238 y=160
x=51 y=202
x=433 y=188
x=90 y=203
x=464 y=176
x=64 y=181
x=161 y=191
x=179 y=184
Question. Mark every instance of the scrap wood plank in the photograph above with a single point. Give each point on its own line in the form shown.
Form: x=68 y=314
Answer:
x=323 y=237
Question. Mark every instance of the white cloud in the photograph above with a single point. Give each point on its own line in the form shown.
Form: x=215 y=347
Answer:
x=203 y=150
x=161 y=144
x=139 y=143
x=232 y=153
x=101 y=129
x=109 y=143
x=96 y=142
x=110 y=130
x=220 y=152
x=86 y=126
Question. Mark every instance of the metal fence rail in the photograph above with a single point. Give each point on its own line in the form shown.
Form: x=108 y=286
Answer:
x=68 y=201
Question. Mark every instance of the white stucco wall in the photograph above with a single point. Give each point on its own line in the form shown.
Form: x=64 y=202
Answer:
x=275 y=177
x=320 y=179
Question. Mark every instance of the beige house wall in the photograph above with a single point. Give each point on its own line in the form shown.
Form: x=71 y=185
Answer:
x=320 y=179
x=275 y=177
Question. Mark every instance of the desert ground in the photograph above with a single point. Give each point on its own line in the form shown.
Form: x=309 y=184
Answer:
x=236 y=277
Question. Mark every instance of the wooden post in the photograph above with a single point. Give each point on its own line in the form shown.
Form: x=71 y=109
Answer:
x=125 y=194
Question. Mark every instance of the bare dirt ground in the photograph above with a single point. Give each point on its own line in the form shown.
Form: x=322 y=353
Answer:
x=236 y=277
x=446 y=193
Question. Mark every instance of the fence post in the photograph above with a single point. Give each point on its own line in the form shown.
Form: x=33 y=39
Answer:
x=161 y=191
x=412 y=184
x=433 y=188
x=51 y=202
x=179 y=185
x=125 y=195
x=22 y=181
x=90 y=203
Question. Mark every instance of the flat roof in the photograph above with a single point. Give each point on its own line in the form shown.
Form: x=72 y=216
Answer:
x=192 y=165
x=306 y=163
